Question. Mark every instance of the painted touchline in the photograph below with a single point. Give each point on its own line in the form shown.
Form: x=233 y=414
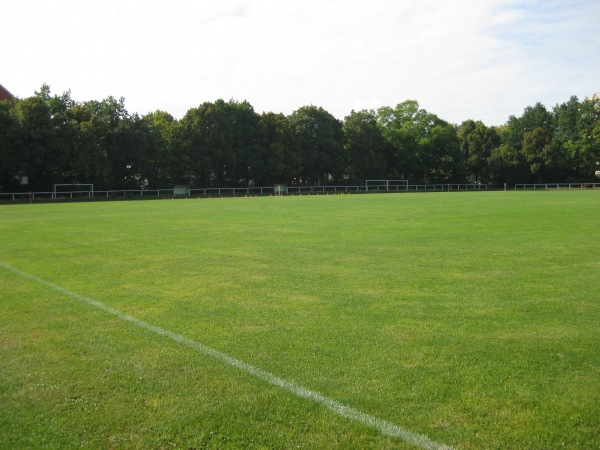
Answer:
x=385 y=427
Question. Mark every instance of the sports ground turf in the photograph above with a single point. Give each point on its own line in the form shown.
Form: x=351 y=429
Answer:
x=468 y=320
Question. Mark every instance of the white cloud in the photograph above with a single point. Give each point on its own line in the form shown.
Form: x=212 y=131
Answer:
x=483 y=60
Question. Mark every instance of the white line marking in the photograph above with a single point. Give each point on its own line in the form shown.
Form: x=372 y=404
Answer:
x=385 y=427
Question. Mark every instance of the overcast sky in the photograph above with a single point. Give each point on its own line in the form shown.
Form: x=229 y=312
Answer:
x=461 y=59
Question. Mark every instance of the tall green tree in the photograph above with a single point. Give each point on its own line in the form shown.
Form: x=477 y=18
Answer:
x=10 y=154
x=221 y=139
x=110 y=110
x=245 y=163
x=588 y=158
x=81 y=136
x=476 y=143
x=506 y=163
x=533 y=117
x=195 y=152
x=277 y=160
x=77 y=142
x=166 y=157
x=366 y=149
x=577 y=133
x=319 y=140
x=399 y=127
x=567 y=120
x=112 y=123
x=131 y=154
x=440 y=154
x=35 y=144
x=409 y=130
x=543 y=157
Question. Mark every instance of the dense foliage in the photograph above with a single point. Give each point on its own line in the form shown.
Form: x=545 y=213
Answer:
x=47 y=139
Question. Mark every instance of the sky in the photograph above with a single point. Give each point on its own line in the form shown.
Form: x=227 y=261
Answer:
x=463 y=59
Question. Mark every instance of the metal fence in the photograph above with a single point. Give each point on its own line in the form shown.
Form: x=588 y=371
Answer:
x=546 y=186
x=116 y=194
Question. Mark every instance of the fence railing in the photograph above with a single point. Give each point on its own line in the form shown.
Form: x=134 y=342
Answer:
x=447 y=187
x=270 y=190
x=546 y=186
x=71 y=195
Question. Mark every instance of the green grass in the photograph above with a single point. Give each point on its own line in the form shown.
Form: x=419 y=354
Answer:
x=471 y=318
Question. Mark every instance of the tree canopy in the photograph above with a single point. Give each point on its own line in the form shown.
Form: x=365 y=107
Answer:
x=47 y=139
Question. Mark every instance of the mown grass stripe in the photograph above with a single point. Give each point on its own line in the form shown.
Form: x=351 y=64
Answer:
x=385 y=427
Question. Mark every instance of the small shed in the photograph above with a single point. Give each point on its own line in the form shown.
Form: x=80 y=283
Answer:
x=181 y=190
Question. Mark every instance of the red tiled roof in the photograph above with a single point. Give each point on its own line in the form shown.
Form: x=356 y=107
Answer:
x=4 y=94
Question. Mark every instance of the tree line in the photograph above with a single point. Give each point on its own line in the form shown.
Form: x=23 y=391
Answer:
x=49 y=139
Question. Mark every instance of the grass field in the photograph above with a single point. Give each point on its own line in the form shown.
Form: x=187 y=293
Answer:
x=472 y=319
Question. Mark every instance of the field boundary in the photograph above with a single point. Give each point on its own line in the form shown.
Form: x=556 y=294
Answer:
x=557 y=186
x=383 y=426
x=132 y=194
x=216 y=192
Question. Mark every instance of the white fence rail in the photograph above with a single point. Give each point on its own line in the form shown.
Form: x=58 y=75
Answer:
x=270 y=190
x=266 y=190
x=546 y=186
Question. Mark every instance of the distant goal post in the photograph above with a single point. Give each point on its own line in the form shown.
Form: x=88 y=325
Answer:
x=386 y=185
x=281 y=189
x=73 y=188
